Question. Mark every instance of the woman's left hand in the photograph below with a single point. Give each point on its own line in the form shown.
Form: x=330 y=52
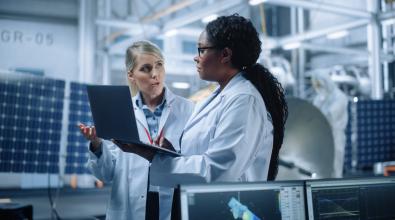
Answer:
x=144 y=152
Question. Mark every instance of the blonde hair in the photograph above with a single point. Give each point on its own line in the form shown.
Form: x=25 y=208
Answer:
x=140 y=47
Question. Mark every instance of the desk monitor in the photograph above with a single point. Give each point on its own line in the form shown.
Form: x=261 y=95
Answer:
x=269 y=200
x=363 y=198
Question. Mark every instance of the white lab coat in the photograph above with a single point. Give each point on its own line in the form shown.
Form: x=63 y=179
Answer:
x=129 y=172
x=228 y=138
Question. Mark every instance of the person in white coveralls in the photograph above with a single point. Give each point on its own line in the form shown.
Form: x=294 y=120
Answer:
x=333 y=103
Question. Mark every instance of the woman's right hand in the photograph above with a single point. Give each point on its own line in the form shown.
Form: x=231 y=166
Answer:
x=89 y=132
x=164 y=143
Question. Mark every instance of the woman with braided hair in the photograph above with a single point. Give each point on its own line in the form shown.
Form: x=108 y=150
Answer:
x=236 y=133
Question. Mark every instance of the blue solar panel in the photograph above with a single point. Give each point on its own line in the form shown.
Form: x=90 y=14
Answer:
x=348 y=147
x=77 y=146
x=30 y=123
x=375 y=133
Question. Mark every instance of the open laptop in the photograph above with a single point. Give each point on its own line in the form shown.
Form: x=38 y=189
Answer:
x=261 y=200
x=113 y=116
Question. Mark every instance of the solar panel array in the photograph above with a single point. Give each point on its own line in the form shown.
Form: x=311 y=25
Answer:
x=77 y=145
x=31 y=112
x=375 y=122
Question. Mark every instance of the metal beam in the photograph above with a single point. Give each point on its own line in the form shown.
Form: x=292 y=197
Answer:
x=293 y=21
x=387 y=15
x=301 y=56
x=106 y=62
x=374 y=45
x=331 y=49
x=126 y=27
x=86 y=42
x=137 y=30
x=201 y=13
x=118 y=23
x=385 y=57
x=322 y=6
x=320 y=33
x=114 y=23
x=120 y=46
x=169 y=10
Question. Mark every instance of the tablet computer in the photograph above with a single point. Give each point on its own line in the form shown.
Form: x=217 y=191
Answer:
x=113 y=116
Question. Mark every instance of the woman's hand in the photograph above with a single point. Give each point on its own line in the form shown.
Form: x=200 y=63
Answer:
x=164 y=143
x=89 y=132
x=144 y=152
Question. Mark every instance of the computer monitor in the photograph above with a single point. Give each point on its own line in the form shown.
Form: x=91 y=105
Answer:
x=269 y=200
x=362 y=198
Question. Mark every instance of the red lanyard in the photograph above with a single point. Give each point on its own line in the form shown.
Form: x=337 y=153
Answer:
x=150 y=139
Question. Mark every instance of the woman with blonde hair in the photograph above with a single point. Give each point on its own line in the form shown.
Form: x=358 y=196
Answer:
x=159 y=113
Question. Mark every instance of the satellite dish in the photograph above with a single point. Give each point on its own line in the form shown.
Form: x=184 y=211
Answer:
x=308 y=147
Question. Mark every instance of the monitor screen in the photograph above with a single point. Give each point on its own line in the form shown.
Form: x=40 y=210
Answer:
x=279 y=200
x=369 y=198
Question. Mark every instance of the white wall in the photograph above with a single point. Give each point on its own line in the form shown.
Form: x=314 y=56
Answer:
x=65 y=9
x=39 y=45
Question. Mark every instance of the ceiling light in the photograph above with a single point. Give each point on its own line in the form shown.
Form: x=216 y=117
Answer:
x=337 y=35
x=388 y=21
x=291 y=46
x=209 y=18
x=180 y=85
x=256 y=2
x=171 y=32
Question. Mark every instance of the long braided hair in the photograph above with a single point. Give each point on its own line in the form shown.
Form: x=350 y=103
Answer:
x=238 y=34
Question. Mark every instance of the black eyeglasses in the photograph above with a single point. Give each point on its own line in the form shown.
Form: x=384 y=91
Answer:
x=202 y=50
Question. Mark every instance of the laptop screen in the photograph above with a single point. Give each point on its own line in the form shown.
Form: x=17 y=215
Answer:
x=279 y=200
x=112 y=112
x=368 y=198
